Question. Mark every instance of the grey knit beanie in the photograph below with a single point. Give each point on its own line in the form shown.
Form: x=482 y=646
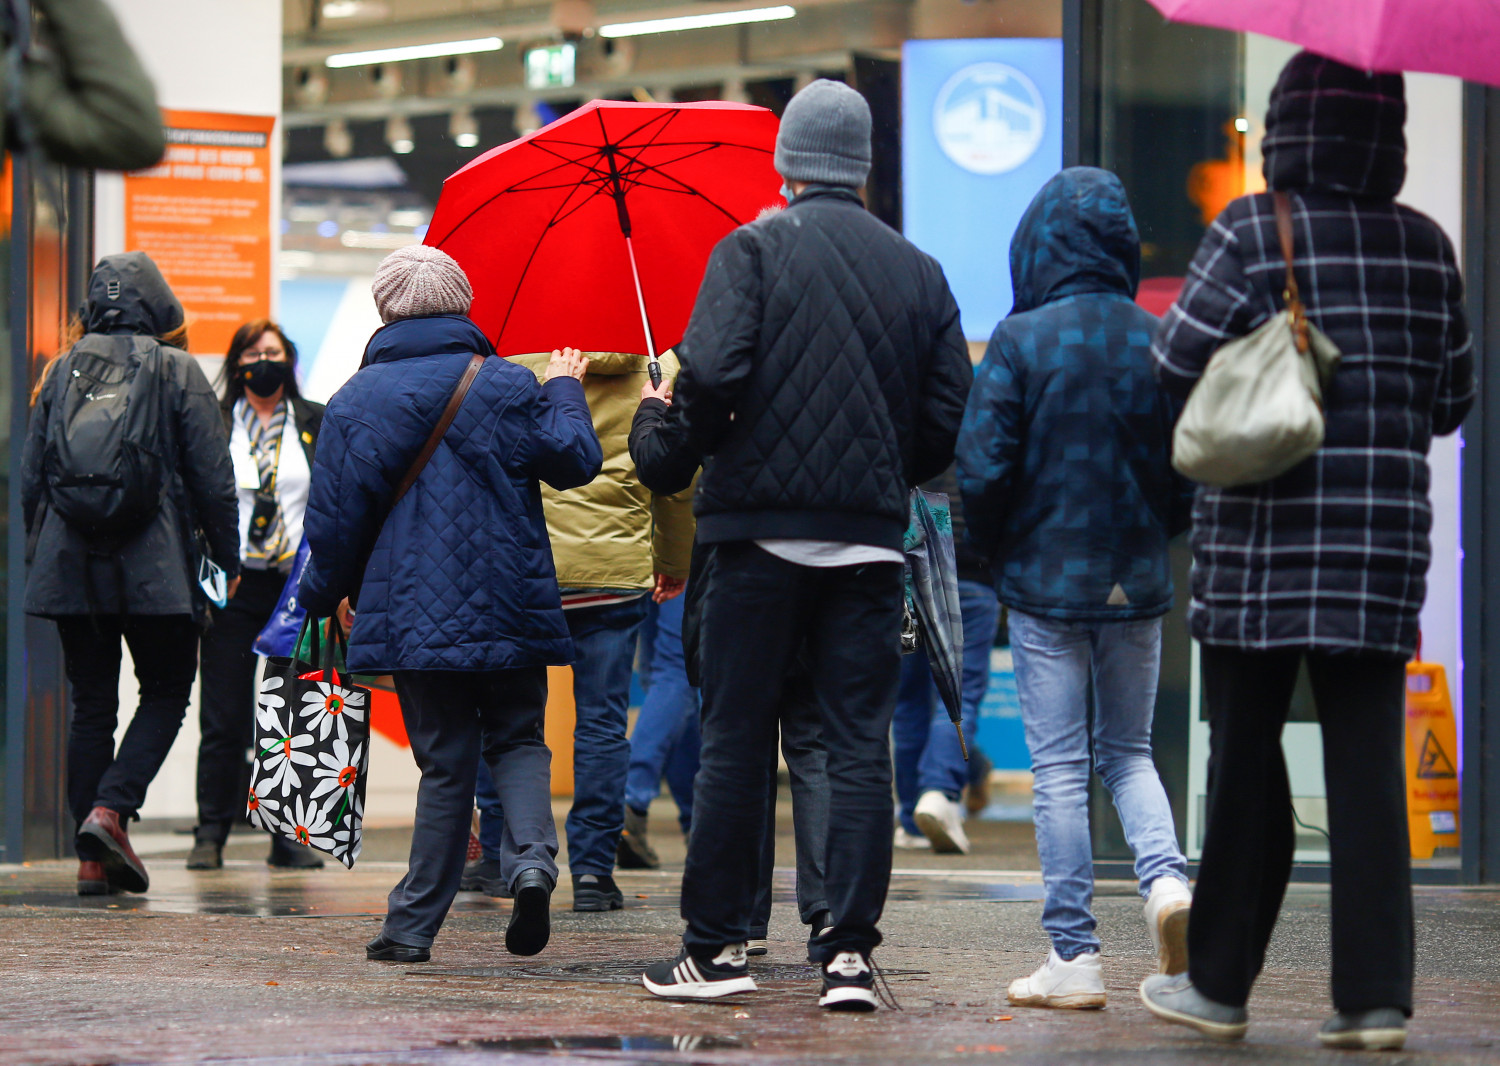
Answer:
x=825 y=136
x=418 y=280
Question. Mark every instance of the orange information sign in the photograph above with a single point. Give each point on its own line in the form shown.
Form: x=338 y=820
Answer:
x=204 y=215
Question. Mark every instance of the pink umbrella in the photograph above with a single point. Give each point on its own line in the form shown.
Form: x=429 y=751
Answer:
x=1460 y=37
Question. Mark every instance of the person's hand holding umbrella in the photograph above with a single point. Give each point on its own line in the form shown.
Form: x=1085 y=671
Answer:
x=567 y=363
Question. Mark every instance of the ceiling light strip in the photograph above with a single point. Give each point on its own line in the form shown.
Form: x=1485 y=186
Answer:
x=415 y=51
x=698 y=22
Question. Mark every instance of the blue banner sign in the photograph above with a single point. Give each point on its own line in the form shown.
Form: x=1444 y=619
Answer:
x=981 y=133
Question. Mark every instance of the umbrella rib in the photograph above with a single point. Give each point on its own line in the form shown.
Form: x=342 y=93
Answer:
x=502 y=192
x=521 y=279
x=689 y=189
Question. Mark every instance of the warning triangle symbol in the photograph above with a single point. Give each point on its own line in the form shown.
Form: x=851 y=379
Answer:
x=1434 y=761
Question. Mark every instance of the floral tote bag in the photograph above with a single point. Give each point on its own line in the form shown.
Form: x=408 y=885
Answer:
x=312 y=749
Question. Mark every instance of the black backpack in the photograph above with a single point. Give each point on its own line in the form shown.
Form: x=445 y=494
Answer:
x=105 y=458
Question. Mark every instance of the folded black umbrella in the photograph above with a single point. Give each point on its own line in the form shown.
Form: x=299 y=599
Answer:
x=932 y=598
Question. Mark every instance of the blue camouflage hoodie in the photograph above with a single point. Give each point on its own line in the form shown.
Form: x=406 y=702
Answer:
x=1064 y=455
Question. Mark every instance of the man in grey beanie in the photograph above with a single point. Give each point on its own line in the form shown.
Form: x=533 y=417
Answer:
x=825 y=373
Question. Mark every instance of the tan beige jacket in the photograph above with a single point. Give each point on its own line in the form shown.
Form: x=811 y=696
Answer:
x=614 y=533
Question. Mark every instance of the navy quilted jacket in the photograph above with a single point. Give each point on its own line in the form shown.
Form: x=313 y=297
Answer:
x=1333 y=554
x=461 y=575
x=823 y=374
x=1064 y=457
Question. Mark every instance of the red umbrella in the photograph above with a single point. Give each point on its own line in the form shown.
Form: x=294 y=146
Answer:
x=572 y=234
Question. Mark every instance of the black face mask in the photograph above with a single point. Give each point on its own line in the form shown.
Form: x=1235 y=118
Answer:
x=264 y=376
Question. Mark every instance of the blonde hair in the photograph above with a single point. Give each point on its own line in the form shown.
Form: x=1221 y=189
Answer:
x=173 y=338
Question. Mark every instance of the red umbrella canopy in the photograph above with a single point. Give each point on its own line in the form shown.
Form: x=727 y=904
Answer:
x=545 y=225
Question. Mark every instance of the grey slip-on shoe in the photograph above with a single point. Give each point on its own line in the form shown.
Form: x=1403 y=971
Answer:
x=1173 y=998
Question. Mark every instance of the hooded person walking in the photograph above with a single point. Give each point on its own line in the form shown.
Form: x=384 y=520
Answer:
x=1064 y=463
x=456 y=592
x=1325 y=565
x=126 y=469
x=823 y=374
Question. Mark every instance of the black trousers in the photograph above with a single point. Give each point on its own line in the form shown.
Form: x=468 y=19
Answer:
x=1247 y=849
x=807 y=766
x=760 y=612
x=164 y=649
x=226 y=702
x=452 y=716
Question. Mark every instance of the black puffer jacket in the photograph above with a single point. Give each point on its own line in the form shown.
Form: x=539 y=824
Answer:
x=156 y=570
x=1333 y=554
x=823 y=374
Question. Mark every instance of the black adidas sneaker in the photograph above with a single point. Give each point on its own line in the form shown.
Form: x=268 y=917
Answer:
x=849 y=983
x=690 y=977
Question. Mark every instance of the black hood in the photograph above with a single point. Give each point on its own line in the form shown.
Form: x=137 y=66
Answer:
x=128 y=295
x=1336 y=129
x=1077 y=236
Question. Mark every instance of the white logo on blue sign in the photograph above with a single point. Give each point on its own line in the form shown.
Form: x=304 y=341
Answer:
x=989 y=118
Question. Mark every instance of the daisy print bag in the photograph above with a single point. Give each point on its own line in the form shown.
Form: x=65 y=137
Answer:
x=312 y=749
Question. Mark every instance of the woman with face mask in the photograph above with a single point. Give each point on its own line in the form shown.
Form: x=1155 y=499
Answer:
x=272 y=434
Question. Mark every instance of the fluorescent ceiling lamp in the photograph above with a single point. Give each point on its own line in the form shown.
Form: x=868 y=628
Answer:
x=698 y=22
x=415 y=51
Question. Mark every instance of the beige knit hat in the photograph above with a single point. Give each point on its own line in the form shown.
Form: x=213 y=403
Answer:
x=418 y=280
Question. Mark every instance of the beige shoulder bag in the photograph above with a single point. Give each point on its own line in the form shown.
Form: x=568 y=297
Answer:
x=1257 y=411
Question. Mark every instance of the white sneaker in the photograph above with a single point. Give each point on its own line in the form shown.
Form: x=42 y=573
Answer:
x=942 y=822
x=1167 y=909
x=905 y=841
x=1074 y=984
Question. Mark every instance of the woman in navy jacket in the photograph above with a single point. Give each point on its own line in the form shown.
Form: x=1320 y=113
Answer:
x=459 y=598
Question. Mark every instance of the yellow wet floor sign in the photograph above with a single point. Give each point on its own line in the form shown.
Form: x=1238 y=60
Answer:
x=1431 y=760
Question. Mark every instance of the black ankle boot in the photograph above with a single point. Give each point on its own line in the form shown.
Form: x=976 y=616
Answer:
x=206 y=855
x=288 y=856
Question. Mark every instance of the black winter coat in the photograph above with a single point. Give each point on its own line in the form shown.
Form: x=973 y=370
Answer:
x=1333 y=554
x=824 y=373
x=156 y=570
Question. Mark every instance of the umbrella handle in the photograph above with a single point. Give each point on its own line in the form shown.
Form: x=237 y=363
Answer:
x=654 y=369
x=959 y=728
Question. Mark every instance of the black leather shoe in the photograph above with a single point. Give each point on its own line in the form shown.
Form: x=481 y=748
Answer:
x=531 y=915
x=382 y=950
x=288 y=856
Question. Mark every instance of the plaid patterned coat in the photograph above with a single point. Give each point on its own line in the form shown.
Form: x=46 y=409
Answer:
x=1333 y=554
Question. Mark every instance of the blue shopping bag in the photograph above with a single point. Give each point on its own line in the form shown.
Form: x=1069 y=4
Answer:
x=279 y=637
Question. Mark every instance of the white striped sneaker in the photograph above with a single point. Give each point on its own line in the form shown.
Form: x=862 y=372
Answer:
x=690 y=977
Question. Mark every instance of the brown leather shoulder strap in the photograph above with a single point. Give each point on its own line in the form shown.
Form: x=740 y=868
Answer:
x=1290 y=294
x=449 y=413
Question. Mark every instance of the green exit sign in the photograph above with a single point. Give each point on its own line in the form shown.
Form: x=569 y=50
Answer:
x=551 y=66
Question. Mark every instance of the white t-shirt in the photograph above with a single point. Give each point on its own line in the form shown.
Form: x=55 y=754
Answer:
x=828 y=552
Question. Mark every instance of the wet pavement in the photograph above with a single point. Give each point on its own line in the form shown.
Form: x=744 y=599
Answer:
x=246 y=965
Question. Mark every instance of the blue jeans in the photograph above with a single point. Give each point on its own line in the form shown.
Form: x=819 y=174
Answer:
x=1054 y=662
x=604 y=649
x=666 y=731
x=491 y=813
x=927 y=754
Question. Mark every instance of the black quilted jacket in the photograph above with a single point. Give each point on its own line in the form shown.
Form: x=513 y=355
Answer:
x=824 y=373
x=1333 y=554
